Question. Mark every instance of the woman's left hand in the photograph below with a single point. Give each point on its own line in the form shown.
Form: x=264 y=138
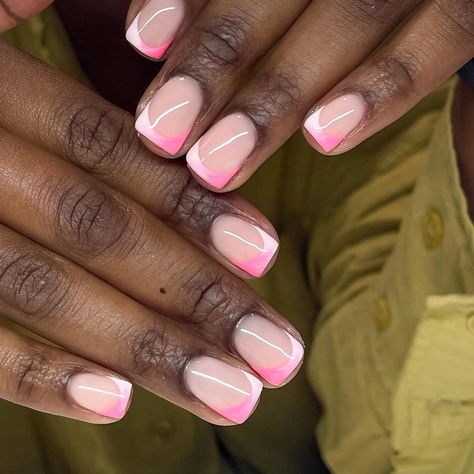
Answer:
x=355 y=65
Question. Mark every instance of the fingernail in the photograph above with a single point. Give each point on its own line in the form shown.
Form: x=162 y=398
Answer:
x=155 y=27
x=243 y=244
x=229 y=391
x=104 y=395
x=222 y=151
x=330 y=124
x=272 y=352
x=170 y=115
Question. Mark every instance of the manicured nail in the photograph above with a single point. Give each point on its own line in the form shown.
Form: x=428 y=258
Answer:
x=229 y=391
x=330 y=124
x=170 y=115
x=222 y=151
x=272 y=352
x=102 y=394
x=155 y=27
x=243 y=244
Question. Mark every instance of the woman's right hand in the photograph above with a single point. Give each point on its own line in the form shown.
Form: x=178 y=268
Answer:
x=93 y=259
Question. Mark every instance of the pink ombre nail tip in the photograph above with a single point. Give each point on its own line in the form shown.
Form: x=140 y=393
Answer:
x=155 y=27
x=222 y=151
x=170 y=115
x=103 y=394
x=271 y=351
x=330 y=124
x=229 y=391
x=245 y=245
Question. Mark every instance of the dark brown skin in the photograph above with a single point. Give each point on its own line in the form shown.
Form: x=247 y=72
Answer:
x=83 y=206
x=463 y=118
x=97 y=31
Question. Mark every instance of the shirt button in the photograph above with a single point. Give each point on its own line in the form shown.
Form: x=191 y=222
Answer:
x=383 y=316
x=162 y=430
x=432 y=229
x=470 y=321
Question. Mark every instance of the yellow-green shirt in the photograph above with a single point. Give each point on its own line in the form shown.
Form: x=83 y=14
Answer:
x=376 y=268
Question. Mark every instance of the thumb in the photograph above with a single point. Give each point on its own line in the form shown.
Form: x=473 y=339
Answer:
x=13 y=12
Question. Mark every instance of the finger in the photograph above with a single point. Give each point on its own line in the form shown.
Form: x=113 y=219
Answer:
x=47 y=108
x=117 y=240
x=53 y=381
x=265 y=112
x=13 y=12
x=70 y=307
x=153 y=25
x=207 y=66
x=395 y=79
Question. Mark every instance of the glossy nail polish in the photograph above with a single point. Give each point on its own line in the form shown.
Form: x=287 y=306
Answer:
x=222 y=151
x=330 y=124
x=154 y=28
x=243 y=244
x=102 y=394
x=170 y=115
x=272 y=352
x=229 y=391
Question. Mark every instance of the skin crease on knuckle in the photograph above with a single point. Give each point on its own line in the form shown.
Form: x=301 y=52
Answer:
x=279 y=95
x=221 y=44
x=152 y=352
x=31 y=282
x=99 y=138
x=393 y=75
x=34 y=375
x=90 y=220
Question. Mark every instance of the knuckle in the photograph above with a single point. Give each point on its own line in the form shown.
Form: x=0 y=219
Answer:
x=188 y=203
x=90 y=219
x=31 y=282
x=214 y=301
x=220 y=43
x=393 y=75
x=153 y=352
x=460 y=15
x=368 y=11
x=279 y=94
x=33 y=376
x=99 y=137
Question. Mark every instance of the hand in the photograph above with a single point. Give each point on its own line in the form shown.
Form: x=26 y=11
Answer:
x=86 y=264
x=355 y=65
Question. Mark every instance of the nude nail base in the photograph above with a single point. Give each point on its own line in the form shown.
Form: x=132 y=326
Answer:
x=105 y=395
x=272 y=352
x=170 y=145
x=153 y=52
x=229 y=391
x=331 y=124
x=245 y=245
